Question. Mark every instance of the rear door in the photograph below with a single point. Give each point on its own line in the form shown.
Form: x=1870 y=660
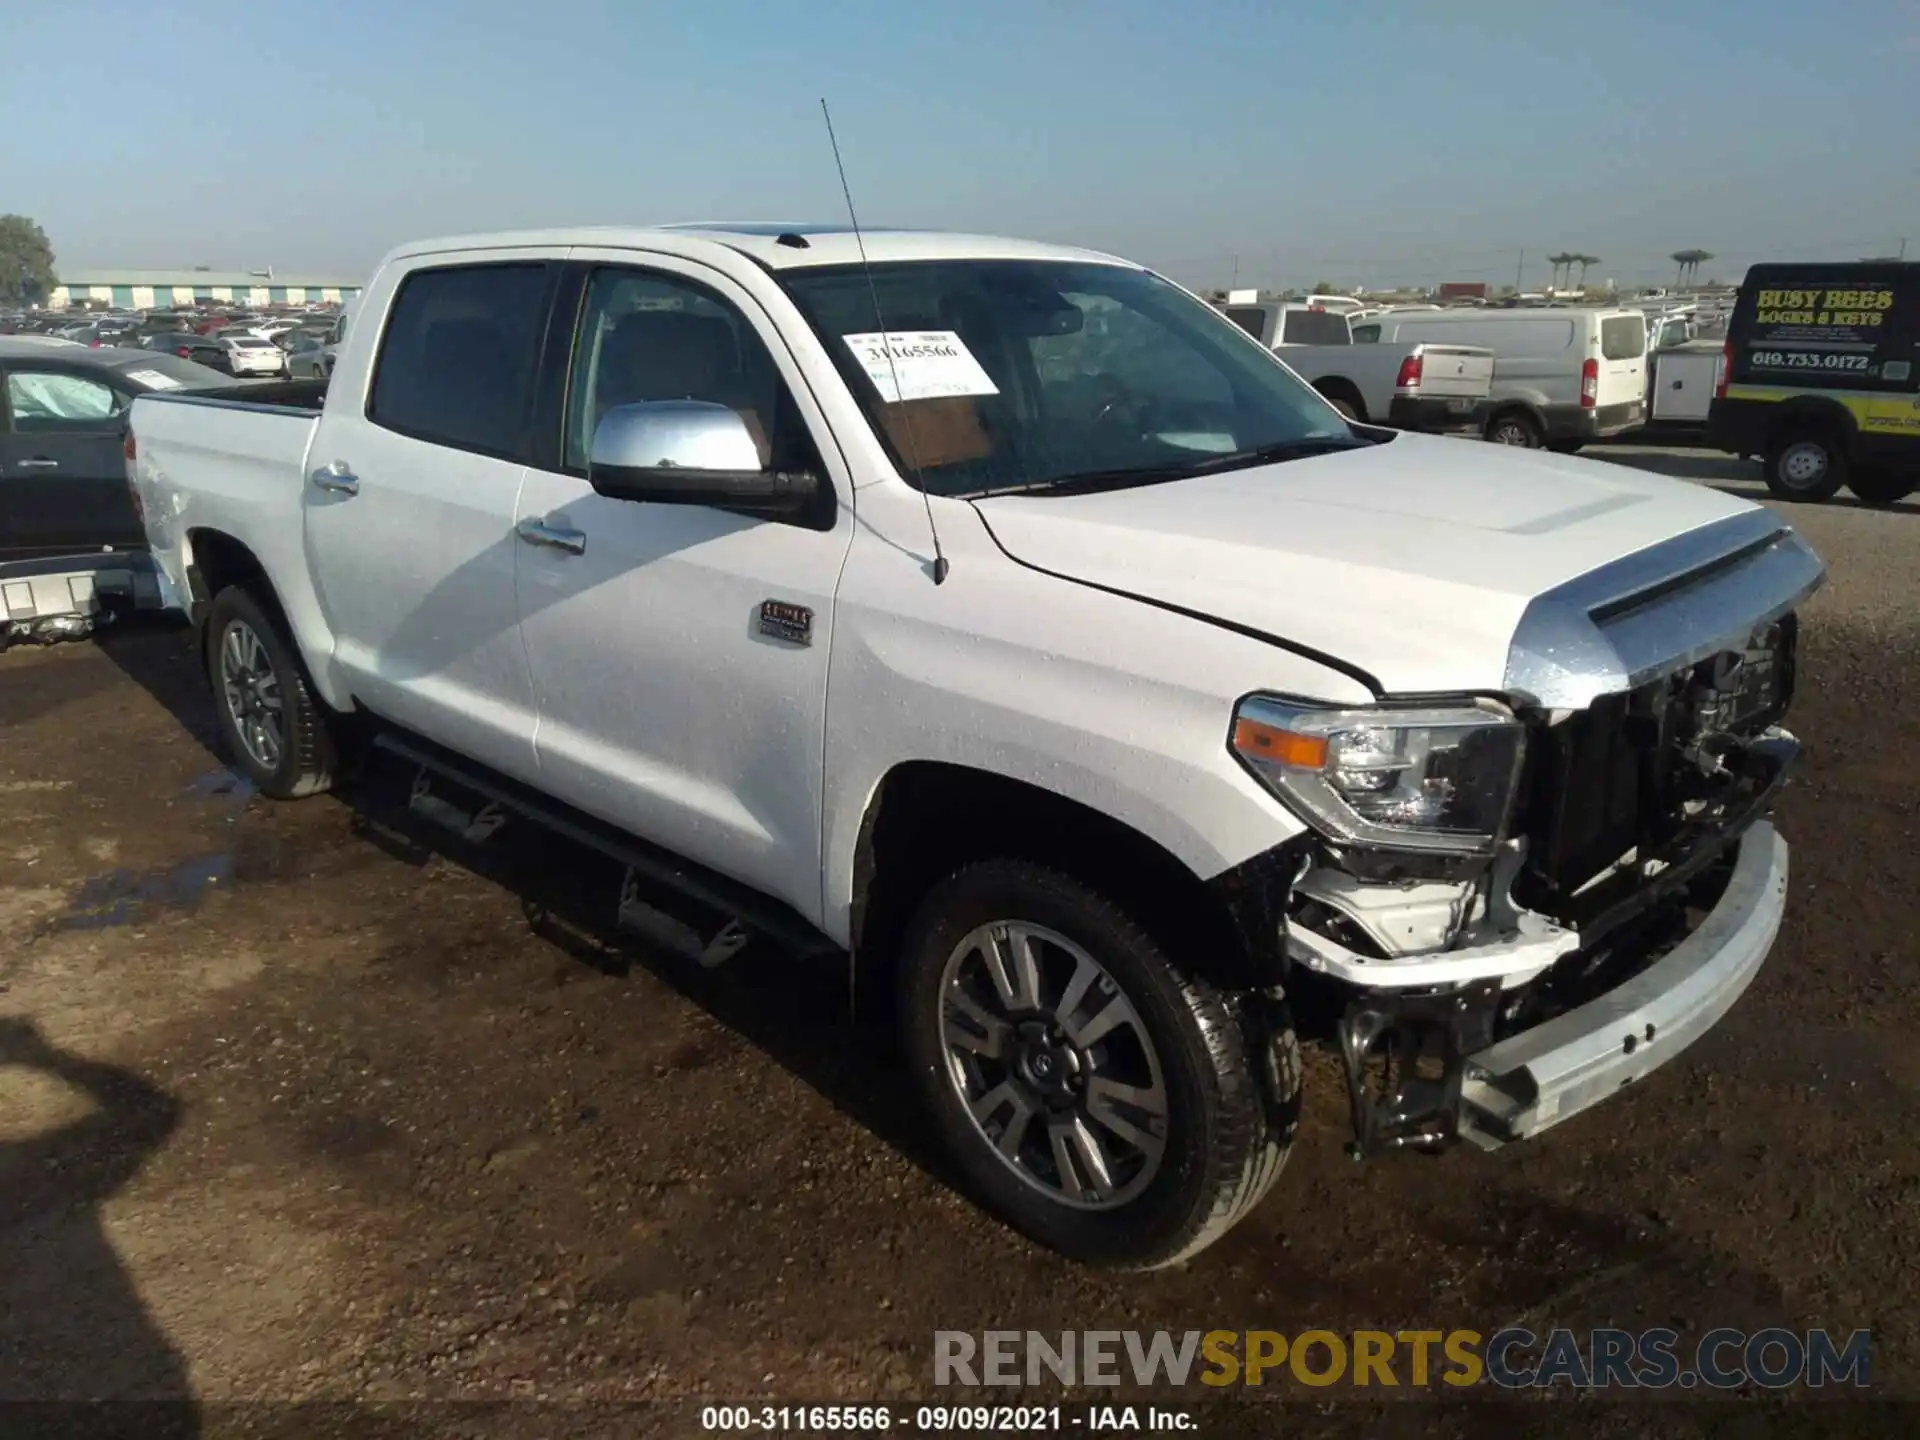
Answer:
x=411 y=484
x=1623 y=360
x=63 y=480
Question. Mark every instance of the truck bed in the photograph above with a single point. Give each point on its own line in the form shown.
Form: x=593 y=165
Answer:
x=232 y=460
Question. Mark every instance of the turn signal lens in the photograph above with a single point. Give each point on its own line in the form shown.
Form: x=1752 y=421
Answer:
x=1259 y=741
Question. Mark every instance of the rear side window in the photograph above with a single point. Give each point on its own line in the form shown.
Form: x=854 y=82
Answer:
x=1316 y=327
x=456 y=363
x=1366 y=334
x=1251 y=319
x=1623 y=337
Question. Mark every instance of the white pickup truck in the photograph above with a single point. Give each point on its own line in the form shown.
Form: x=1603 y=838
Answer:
x=1410 y=386
x=996 y=615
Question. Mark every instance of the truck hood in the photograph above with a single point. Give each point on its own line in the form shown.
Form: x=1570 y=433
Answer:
x=1410 y=562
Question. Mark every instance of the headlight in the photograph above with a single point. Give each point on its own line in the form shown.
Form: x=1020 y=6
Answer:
x=1430 y=778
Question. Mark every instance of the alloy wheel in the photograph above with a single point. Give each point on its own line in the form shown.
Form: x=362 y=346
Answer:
x=1053 y=1065
x=252 y=694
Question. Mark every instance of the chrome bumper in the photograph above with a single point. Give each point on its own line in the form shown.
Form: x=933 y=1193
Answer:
x=1532 y=1081
x=82 y=585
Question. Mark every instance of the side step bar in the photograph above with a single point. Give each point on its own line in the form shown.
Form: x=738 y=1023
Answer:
x=748 y=912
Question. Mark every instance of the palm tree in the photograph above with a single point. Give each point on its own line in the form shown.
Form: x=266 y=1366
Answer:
x=1586 y=260
x=1563 y=261
x=1689 y=262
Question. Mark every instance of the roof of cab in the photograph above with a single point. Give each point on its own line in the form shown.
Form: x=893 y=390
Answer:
x=775 y=245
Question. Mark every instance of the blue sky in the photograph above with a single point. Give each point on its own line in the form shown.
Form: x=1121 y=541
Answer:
x=1364 y=143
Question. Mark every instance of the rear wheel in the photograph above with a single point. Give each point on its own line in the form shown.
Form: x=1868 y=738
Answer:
x=1348 y=410
x=1882 y=487
x=1101 y=1100
x=1515 y=427
x=1806 y=465
x=275 y=728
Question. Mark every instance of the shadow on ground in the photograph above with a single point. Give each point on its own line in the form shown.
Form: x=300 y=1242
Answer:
x=72 y=1325
x=798 y=1012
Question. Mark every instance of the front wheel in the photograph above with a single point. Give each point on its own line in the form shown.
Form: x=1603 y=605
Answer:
x=1099 y=1099
x=274 y=726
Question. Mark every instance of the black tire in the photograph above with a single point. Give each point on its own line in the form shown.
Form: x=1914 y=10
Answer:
x=305 y=759
x=1517 y=428
x=1878 y=487
x=1566 y=447
x=1806 y=464
x=1229 y=1067
x=1347 y=409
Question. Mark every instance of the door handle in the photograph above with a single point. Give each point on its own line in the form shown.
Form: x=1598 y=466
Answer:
x=336 y=477
x=556 y=537
x=39 y=462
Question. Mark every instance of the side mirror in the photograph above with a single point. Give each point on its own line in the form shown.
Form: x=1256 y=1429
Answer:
x=689 y=452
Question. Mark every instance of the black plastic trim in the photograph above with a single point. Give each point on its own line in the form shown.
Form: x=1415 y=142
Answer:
x=1254 y=894
x=757 y=911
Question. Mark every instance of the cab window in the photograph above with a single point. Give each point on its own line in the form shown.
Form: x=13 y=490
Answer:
x=50 y=400
x=645 y=335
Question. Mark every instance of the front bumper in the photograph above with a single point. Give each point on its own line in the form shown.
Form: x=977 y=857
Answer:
x=1529 y=1082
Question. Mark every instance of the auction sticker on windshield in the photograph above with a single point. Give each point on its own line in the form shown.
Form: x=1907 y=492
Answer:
x=154 y=380
x=919 y=365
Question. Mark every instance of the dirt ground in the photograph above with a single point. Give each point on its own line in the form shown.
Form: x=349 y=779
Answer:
x=305 y=1107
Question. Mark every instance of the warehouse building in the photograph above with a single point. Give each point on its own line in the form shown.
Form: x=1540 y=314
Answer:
x=162 y=289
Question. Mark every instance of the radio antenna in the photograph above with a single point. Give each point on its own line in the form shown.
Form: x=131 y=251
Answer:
x=940 y=566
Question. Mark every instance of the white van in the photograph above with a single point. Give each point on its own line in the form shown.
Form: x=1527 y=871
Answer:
x=1561 y=377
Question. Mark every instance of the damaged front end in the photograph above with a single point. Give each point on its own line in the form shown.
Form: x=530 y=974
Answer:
x=1528 y=903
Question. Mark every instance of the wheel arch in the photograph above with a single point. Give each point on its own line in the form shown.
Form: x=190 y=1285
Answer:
x=1338 y=387
x=215 y=557
x=1515 y=405
x=1813 y=412
x=926 y=819
x=215 y=560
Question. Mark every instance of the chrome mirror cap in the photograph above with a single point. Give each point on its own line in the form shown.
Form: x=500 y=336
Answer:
x=673 y=435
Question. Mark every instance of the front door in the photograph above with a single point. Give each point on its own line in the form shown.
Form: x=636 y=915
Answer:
x=410 y=494
x=665 y=706
x=63 y=478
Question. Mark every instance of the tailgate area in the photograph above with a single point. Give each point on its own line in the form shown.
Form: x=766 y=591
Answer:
x=1455 y=372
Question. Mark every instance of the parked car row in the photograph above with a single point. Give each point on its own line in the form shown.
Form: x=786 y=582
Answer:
x=1817 y=376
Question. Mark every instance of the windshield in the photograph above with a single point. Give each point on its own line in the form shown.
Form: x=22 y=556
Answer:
x=997 y=375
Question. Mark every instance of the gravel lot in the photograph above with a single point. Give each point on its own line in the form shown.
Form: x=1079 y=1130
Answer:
x=321 y=1115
